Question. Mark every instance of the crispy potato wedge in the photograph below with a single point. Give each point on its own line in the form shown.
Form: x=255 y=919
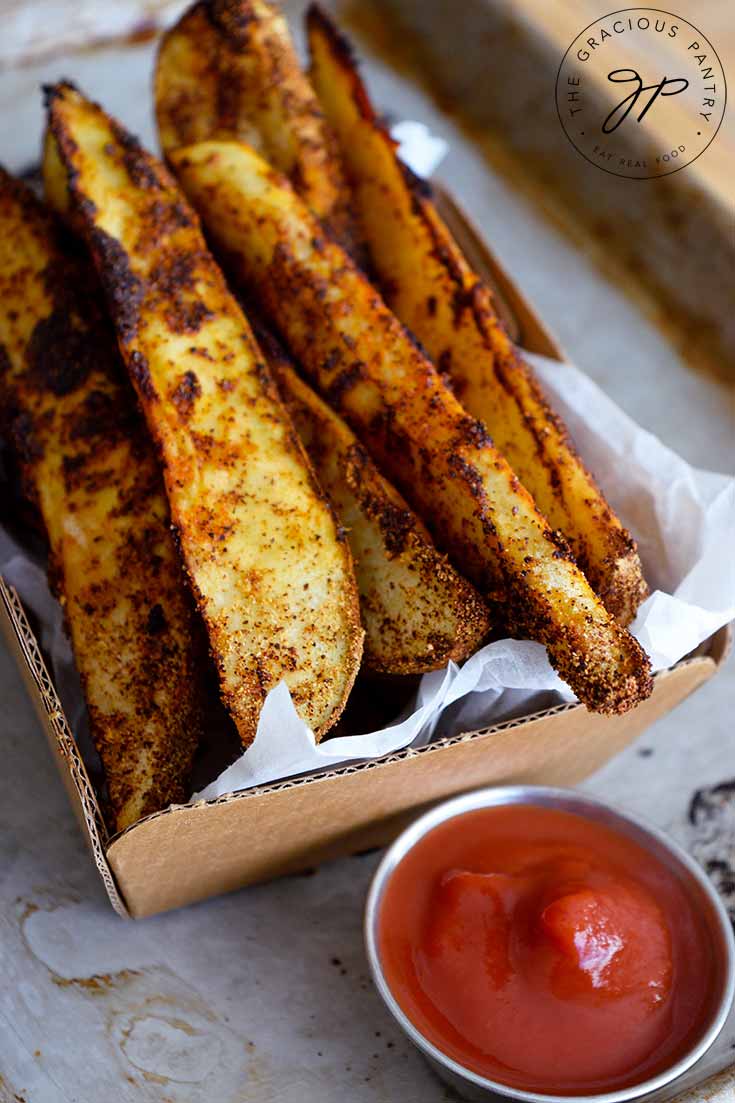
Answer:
x=228 y=69
x=88 y=464
x=417 y=611
x=433 y=290
x=367 y=366
x=269 y=566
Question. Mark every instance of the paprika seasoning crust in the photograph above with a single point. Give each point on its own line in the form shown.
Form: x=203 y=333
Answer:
x=91 y=469
x=228 y=68
x=414 y=427
x=272 y=579
x=431 y=287
x=418 y=612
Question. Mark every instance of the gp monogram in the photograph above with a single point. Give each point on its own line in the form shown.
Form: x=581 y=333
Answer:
x=641 y=93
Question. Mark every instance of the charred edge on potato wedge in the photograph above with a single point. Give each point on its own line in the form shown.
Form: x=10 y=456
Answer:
x=433 y=290
x=268 y=564
x=228 y=69
x=417 y=611
x=367 y=366
x=87 y=462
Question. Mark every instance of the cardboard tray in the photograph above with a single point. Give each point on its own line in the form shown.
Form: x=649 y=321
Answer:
x=190 y=852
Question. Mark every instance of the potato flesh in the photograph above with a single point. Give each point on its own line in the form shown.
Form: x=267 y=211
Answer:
x=432 y=289
x=366 y=365
x=269 y=569
x=88 y=464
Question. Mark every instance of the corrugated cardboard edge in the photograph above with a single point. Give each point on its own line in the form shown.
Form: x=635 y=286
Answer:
x=721 y=643
x=24 y=645
x=296 y=824
x=400 y=756
x=83 y=798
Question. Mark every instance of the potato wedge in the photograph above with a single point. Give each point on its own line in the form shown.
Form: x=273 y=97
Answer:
x=433 y=290
x=88 y=464
x=269 y=566
x=417 y=611
x=367 y=366
x=228 y=69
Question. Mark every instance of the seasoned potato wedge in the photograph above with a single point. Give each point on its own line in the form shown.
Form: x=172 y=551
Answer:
x=367 y=366
x=433 y=290
x=88 y=464
x=418 y=613
x=269 y=566
x=228 y=69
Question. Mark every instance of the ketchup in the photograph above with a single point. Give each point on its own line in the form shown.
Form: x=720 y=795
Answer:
x=546 y=951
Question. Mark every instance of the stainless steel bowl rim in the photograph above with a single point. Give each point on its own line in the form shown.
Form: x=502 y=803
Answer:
x=568 y=800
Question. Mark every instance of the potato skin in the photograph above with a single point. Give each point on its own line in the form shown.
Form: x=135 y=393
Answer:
x=418 y=612
x=433 y=290
x=371 y=371
x=228 y=69
x=89 y=466
x=268 y=564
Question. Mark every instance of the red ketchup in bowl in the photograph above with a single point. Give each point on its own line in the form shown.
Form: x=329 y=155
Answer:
x=546 y=951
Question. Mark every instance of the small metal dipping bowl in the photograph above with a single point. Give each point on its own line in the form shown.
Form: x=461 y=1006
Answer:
x=471 y=1085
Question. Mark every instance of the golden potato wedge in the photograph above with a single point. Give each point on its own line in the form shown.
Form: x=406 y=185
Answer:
x=269 y=566
x=417 y=611
x=228 y=69
x=88 y=463
x=367 y=366
x=433 y=290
